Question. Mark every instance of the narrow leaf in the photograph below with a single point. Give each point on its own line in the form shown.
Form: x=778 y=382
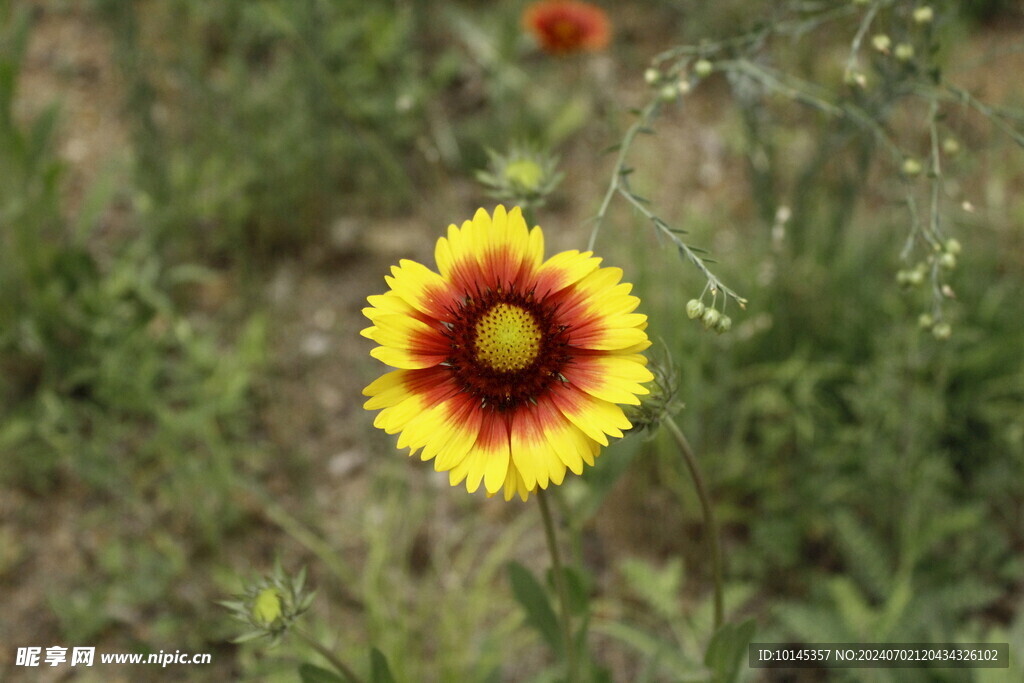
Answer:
x=534 y=600
x=728 y=649
x=314 y=674
x=380 y=672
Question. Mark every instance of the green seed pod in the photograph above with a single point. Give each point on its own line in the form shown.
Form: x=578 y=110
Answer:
x=942 y=331
x=882 y=42
x=903 y=278
x=950 y=146
x=915 y=277
x=723 y=325
x=925 y=320
x=924 y=14
x=710 y=318
x=703 y=68
x=694 y=309
x=668 y=93
x=652 y=76
x=953 y=246
x=904 y=52
x=947 y=261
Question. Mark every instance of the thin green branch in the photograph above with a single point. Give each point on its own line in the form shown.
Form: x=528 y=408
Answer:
x=572 y=666
x=710 y=525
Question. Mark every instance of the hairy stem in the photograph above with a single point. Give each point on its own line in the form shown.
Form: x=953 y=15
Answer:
x=710 y=526
x=572 y=666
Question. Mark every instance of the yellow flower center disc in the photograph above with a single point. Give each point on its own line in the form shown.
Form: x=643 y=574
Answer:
x=507 y=338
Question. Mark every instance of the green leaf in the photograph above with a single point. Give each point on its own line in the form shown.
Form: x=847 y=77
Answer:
x=534 y=599
x=662 y=653
x=380 y=672
x=728 y=649
x=578 y=584
x=314 y=674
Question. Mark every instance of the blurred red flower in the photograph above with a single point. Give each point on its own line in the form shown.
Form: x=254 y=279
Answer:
x=565 y=26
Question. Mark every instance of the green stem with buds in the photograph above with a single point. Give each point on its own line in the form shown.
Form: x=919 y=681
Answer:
x=710 y=526
x=572 y=666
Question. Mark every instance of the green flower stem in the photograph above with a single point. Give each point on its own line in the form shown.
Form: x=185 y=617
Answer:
x=328 y=655
x=572 y=666
x=710 y=526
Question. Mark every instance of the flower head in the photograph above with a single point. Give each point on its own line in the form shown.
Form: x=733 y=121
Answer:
x=566 y=26
x=511 y=368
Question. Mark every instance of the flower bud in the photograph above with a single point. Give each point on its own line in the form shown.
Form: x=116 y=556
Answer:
x=950 y=146
x=694 y=309
x=953 y=246
x=947 y=261
x=924 y=14
x=703 y=68
x=904 y=52
x=668 y=93
x=925 y=320
x=856 y=78
x=882 y=43
x=710 y=318
x=942 y=331
x=652 y=76
x=915 y=277
x=266 y=608
x=911 y=166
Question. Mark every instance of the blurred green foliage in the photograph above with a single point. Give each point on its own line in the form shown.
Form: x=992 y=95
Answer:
x=868 y=478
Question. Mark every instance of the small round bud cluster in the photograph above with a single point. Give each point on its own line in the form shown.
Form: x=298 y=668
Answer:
x=904 y=52
x=882 y=43
x=711 y=318
x=694 y=309
x=912 y=277
x=853 y=77
x=942 y=331
x=911 y=167
x=924 y=14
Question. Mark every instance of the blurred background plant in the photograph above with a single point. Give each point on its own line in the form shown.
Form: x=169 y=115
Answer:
x=178 y=317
